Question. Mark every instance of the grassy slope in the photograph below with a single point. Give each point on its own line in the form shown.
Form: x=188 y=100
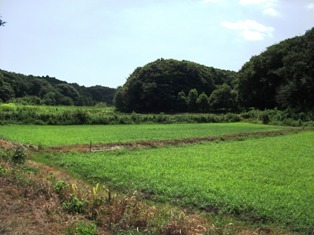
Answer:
x=66 y=135
x=268 y=180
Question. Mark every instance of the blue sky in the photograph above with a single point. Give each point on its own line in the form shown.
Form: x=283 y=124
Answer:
x=101 y=42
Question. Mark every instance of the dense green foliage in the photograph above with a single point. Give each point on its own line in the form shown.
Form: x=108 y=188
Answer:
x=266 y=180
x=281 y=77
x=72 y=115
x=170 y=86
x=84 y=134
x=50 y=91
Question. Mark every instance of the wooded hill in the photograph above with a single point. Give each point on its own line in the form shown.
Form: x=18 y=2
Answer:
x=281 y=77
x=50 y=91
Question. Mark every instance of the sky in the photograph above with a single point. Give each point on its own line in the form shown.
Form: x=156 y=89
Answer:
x=101 y=42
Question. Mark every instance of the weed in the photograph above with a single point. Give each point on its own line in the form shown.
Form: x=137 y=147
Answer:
x=74 y=205
x=82 y=228
x=3 y=171
x=59 y=185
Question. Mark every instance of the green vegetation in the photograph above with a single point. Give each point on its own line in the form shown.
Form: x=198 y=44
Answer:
x=72 y=115
x=170 y=86
x=84 y=134
x=50 y=91
x=73 y=207
x=268 y=180
x=281 y=77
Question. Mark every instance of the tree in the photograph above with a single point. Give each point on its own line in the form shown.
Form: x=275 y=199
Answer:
x=202 y=102
x=182 y=102
x=223 y=98
x=282 y=76
x=192 y=100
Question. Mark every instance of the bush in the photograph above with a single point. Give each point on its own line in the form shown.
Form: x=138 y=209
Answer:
x=265 y=118
x=19 y=156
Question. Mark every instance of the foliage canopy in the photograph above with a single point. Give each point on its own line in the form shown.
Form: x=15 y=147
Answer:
x=50 y=91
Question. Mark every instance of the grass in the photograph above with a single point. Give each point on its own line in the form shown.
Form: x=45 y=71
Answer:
x=5 y=107
x=84 y=134
x=266 y=181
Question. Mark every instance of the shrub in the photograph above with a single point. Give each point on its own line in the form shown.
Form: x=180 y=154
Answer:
x=265 y=118
x=19 y=156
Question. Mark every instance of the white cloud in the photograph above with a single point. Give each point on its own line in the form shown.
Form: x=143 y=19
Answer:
x=211 y=1
x=250 y=2
x=267 y=5
x=249 y=29
x=271 y=12
x=310 y=6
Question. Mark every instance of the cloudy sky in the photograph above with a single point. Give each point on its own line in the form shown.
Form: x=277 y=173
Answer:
x=101 y=42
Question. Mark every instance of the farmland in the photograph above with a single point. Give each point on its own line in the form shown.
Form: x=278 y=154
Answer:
x=84 y=134
x=264 y=181
x=267 y=180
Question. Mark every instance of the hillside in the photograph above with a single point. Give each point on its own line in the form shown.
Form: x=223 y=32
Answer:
x=281 y=77
x=171 y=86
x=50 y=91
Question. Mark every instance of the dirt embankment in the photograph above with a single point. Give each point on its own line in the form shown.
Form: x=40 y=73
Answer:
x=29 y=206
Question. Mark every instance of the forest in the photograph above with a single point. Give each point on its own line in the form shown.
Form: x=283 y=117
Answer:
x=19 y=88
x=280 y=77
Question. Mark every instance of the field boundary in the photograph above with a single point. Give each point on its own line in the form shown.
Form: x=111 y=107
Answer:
x=98 y=147
x=174 y=142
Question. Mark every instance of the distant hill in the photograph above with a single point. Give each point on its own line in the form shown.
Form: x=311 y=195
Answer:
x=168 y=85
x=280 y=77
x=50 y=91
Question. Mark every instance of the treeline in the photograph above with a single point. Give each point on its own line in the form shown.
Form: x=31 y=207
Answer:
x=281 y=77
x=47 y=90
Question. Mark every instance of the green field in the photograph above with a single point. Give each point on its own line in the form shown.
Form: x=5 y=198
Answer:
x=268 y=180
x=84 y=134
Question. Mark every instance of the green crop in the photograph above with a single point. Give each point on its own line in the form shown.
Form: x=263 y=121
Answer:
x=266 y=180
x=84 y=134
